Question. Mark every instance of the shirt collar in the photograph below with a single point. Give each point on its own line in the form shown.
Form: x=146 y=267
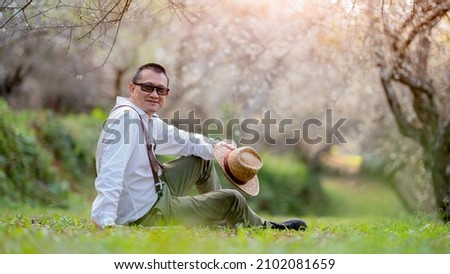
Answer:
x=120 y=100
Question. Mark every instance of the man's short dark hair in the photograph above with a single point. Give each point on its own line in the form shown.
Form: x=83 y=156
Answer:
x=151 y=66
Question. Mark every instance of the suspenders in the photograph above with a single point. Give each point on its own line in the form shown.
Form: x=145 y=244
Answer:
x=155 y=165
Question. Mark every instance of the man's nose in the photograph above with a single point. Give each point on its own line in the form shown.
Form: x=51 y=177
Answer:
x=153 y=93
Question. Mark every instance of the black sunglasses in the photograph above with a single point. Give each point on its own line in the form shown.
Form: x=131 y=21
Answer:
x=145 y=87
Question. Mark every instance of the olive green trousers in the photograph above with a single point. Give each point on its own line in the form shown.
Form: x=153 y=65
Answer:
x=212 y=205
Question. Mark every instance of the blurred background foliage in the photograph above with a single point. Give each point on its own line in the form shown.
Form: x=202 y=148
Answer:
x=28 y=171
x=46 y=156
x=60 y=74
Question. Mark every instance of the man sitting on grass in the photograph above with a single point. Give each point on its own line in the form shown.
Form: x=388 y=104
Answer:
x=135 y=189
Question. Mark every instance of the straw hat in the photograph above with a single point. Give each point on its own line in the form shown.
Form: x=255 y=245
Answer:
x=240 y=166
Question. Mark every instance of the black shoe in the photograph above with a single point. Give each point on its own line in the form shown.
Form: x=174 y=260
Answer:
x=296 y=224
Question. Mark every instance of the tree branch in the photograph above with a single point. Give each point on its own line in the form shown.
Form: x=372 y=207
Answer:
x=22 y=9
x=409 y=129
x=425 y=22
x=100 y=21
x=418 y=85
x=414 y=75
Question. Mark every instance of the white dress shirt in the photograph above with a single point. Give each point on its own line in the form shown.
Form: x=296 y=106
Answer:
x=124 y=183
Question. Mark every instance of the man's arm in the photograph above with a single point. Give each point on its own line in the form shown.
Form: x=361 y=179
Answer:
x=113 y=158
x=173 y=141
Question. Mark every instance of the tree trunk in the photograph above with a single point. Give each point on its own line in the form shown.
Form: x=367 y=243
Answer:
x=440 y=172
x=407 y=64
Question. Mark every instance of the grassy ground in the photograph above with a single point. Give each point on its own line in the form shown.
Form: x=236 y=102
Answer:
x=354 y=197
x=368 y=220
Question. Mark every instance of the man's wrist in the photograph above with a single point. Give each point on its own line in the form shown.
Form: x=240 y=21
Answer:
x=230 y=144
x=107 y=223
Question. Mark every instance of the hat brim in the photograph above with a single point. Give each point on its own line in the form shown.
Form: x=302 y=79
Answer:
x=251 y=187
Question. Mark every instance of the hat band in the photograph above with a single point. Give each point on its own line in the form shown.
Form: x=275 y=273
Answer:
x=228 y=171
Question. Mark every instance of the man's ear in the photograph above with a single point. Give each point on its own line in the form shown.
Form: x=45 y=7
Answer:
x=131 y=88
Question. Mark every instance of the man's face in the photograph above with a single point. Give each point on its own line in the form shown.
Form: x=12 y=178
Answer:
x=149 y=102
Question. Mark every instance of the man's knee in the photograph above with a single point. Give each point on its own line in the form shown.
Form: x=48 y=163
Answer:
x=205 y=164
x=234 y=196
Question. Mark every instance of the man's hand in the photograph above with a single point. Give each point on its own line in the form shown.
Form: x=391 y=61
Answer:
x=230 y=144
x=105 y=224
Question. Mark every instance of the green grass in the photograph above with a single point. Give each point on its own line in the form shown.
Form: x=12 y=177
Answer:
x=52 y=232
x=25 y=229
x=367 y=218
x=353 y=197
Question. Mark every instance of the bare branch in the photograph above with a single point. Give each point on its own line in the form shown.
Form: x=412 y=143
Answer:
x=22 y=9
x=425 y=23
x=419 y=84
x=424 y=86
x=409 y=129
x=6 y=5
x=99 y=21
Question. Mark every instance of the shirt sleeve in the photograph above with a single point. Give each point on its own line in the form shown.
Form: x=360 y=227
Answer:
x=173 y=141
x=116 y=144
